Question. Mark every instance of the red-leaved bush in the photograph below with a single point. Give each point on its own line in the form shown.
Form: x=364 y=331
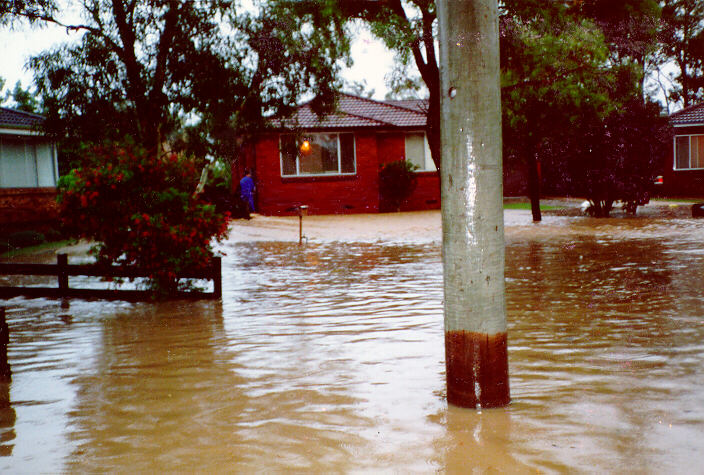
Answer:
x=141 y=210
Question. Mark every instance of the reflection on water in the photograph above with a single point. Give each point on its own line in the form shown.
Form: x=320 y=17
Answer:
x=330 y=357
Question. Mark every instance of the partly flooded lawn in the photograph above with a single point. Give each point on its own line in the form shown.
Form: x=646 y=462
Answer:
x=328 y=357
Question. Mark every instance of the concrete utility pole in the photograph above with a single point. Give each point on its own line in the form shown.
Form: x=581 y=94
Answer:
x=476 y=355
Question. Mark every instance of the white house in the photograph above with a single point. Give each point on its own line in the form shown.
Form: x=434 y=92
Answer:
x=28 y=170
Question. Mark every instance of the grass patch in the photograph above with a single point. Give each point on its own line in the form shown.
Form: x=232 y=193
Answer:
x=679 y=200
x=38 y=248
x=526 y=206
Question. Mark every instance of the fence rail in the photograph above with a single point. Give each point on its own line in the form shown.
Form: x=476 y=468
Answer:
x=62 y=270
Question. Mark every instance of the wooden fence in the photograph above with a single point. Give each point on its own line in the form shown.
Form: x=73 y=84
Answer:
x=62 y=270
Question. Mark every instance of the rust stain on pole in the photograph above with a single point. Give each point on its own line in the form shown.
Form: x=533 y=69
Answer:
x=477 y=369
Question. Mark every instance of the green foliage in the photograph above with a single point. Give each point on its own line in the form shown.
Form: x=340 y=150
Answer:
x=615 y=159
x=22 y=99
x=30 y=10
x=397 y=180
x=25 y=239
x=140 y=210
x=551 y=75
x=572 y=100
x=682 y=42
x=199 y=75
x=630 y=26
x=218 y=189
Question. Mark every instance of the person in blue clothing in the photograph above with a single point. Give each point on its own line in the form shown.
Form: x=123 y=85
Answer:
x=247 y=190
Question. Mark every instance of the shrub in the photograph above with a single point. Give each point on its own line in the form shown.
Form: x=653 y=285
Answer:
x=397 y=180
x=25 y=239
x=140 y=210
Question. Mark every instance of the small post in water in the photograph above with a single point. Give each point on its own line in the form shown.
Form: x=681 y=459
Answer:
x=217 y=277
x=302 y=211
x=62 y=262
x=5 y=371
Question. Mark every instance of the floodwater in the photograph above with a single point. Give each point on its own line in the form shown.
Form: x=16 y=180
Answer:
x=328 y=357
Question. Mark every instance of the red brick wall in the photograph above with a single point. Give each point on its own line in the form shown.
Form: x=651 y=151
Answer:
x=27 y=205
x=685 y=183
x=277 y=195
x=391 y=146
x=426 y=194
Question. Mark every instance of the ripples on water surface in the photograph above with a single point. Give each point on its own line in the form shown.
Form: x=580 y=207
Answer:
x=330 y=358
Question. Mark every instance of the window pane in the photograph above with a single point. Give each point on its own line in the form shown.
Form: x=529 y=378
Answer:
x=17 y=165
x=289 y=150
x=429 y=163
x=45 y=165
x=328 y=146
x=321 y=157
x=347 y=164
x=698 y=151
x=682 y=152
x=415 y=150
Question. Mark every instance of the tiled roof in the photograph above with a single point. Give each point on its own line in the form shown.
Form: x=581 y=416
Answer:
x=418 y=105
x=14 y=119
x=689 y=116
x=359 y=112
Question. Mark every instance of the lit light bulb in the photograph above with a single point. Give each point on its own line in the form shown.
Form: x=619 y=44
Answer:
x=305 y=146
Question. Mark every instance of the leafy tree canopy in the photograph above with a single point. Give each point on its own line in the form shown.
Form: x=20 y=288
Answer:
x=197 y=75
x=20 y=98
x=682 y=41
x=32 y=10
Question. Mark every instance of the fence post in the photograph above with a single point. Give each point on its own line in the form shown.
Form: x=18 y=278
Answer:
x=62 y=263
x=5 y=371
x=217 y=277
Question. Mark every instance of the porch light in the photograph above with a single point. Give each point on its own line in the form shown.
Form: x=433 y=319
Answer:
x=305 y=146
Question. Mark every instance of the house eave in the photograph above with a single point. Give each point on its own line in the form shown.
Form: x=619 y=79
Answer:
x=18 y=131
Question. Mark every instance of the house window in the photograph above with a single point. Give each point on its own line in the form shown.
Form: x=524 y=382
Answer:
x=418 y=152
x=317 y=154
x=26 y=163
x=689 y=152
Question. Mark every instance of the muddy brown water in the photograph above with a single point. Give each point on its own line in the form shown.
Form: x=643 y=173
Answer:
x=328 y=357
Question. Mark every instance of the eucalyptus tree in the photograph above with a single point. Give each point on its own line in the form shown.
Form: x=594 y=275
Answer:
x=191 y=74
x=22 y=99
x=30 y=10
x=554 y=74
x=682 y=42
x=630 y=29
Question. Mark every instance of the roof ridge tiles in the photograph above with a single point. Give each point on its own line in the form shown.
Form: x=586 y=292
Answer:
x=687 y=109
x=17 y=111
x=392 y=104
x=355 y=111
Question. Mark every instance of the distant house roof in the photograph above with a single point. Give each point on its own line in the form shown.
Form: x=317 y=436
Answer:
x=359 y=112
x=14 y=119
x=692 y=115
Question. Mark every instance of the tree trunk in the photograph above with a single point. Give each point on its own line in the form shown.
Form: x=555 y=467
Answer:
x=476 y=354
x=534 y=186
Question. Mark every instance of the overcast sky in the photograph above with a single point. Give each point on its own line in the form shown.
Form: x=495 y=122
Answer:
x=372 y=60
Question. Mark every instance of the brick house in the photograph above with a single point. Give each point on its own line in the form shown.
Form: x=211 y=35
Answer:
x=28 y=171
x=332 y=164
x=683 y=171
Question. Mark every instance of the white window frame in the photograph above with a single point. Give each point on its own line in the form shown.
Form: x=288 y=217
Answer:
x=339 y=156
x=429 y=164
x=689 y=158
